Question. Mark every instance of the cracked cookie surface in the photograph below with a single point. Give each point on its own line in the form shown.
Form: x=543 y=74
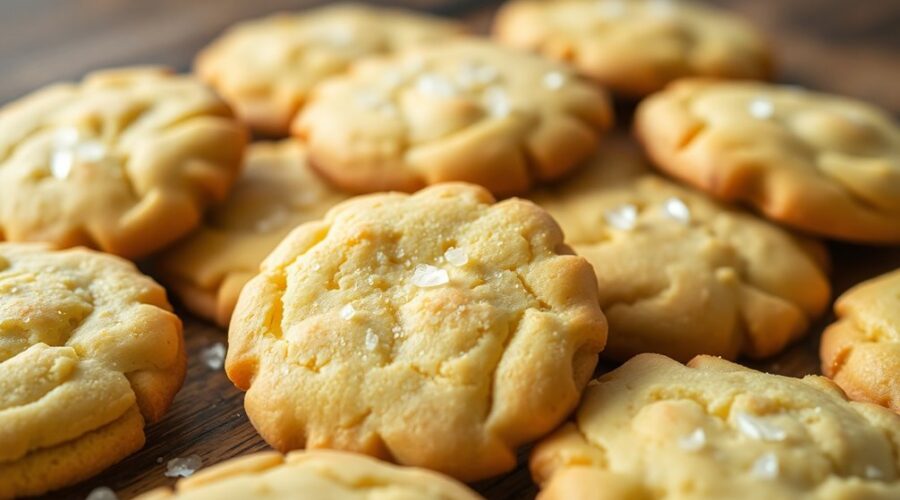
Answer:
x=678 y=273
x=266 y=68
x=313 y=474
x=125 y=161
x=89 y=351
x=817 y=162
x=438 y=329
x=636 y=47
x=861 y=351
x=465 y=110
x=655 y=428
x=277 y=191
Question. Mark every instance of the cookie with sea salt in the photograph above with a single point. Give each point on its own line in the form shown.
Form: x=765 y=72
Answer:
x=654 y=428
x=820 y=163
x=680 y=274
x=89 y=352
x=636 y=47
x=276 y=192
x=313 y=474
x=461 y=111
x=439 y=330
x=861 y=351
x=266 y=68
x=125 y=161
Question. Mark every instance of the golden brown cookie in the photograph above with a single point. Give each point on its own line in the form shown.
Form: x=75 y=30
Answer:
x=276 y=192
x=313 y=474
x=636 y=47
x=654 y=428
x=439 y=330
x=820 y=163
x=462 y=111
x=266 y=68
x=125 y=161
x=89 y=351
x=861 y=351
x=680 y=274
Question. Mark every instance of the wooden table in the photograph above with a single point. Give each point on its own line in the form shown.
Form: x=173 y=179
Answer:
x=849 y=48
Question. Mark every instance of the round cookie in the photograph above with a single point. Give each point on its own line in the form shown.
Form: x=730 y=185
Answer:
x=125 y=161
x=439 y=330
x=466 y=110
x=861 y=351
x=636 y=47
x=266 y=68
x=820 y=163
x=313 y=474
x=654 y=428
x=89 y=351
x=680 y=274
x=276 y=192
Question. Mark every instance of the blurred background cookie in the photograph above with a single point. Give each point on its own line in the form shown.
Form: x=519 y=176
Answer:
x=125 y=161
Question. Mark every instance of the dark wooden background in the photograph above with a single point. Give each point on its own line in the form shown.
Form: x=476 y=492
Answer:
x=835 y=45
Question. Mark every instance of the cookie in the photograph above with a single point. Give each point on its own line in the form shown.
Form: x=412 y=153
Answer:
x=861 y=351
x=680 y=274
x=266 y=68
x=654 y=428
x=313 y=474
x=462 y=111
x=89 y=351
x=636 y=47
x=820 y=163
x=438 y=330
x=276 y=192
x=125 y=161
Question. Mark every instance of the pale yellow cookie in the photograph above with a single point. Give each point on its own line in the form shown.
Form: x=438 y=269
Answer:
x=636 y=47
x=861 y=351
x=655 y=429
x=266 y=68
x=305 y=475
x=820 y=163
x=276 y=192
x=439 y=330
x=680 y=274
x=125 y=161
x=89 y=350
x=464 y=110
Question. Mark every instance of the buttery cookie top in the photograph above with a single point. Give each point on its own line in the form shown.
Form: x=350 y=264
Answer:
x=861 y=351
x=276 y=192
x=125 y=161
x=678 y=273
x=313 y=474
x=438 y=329
x=636 y=47
x=85 y=338
x=266 y=68
x=464 y=110
x=818 y=162
x=654 y=428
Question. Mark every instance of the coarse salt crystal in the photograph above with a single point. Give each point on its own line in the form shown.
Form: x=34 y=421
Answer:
x=183 y=467
x=766 y=466
x=473 y=74
x=347 y=312
x=102 y=493
x=693 y=441
x=456 y=256
x=497 y=102
x=371 y=339
x=214 y=356
x=759 y=429
x=675 y=208
x=436 y=85
x=623 y=217
x=426 y=276
x=873 y=472
x=554 y=80
x=761 y=108
x=61 y=163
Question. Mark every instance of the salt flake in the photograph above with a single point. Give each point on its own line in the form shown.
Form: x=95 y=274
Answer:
x=623 y=217
x=694 y=441
x=183 y=467
x=102 y=493
x=675 y=208
x=347 y=312
x=759 y=429
x=214 y=356
x=436 y=85
x=761 y=108
x=873 y=472
x=371 y=339
x=456 y=256
x=497 y=102
x=426 y=276
x=554 y=80
x=766 y=466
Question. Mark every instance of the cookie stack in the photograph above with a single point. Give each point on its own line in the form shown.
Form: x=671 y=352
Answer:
x=439 y=240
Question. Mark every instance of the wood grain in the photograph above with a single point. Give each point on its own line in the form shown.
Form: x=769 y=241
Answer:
x=850 y=48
